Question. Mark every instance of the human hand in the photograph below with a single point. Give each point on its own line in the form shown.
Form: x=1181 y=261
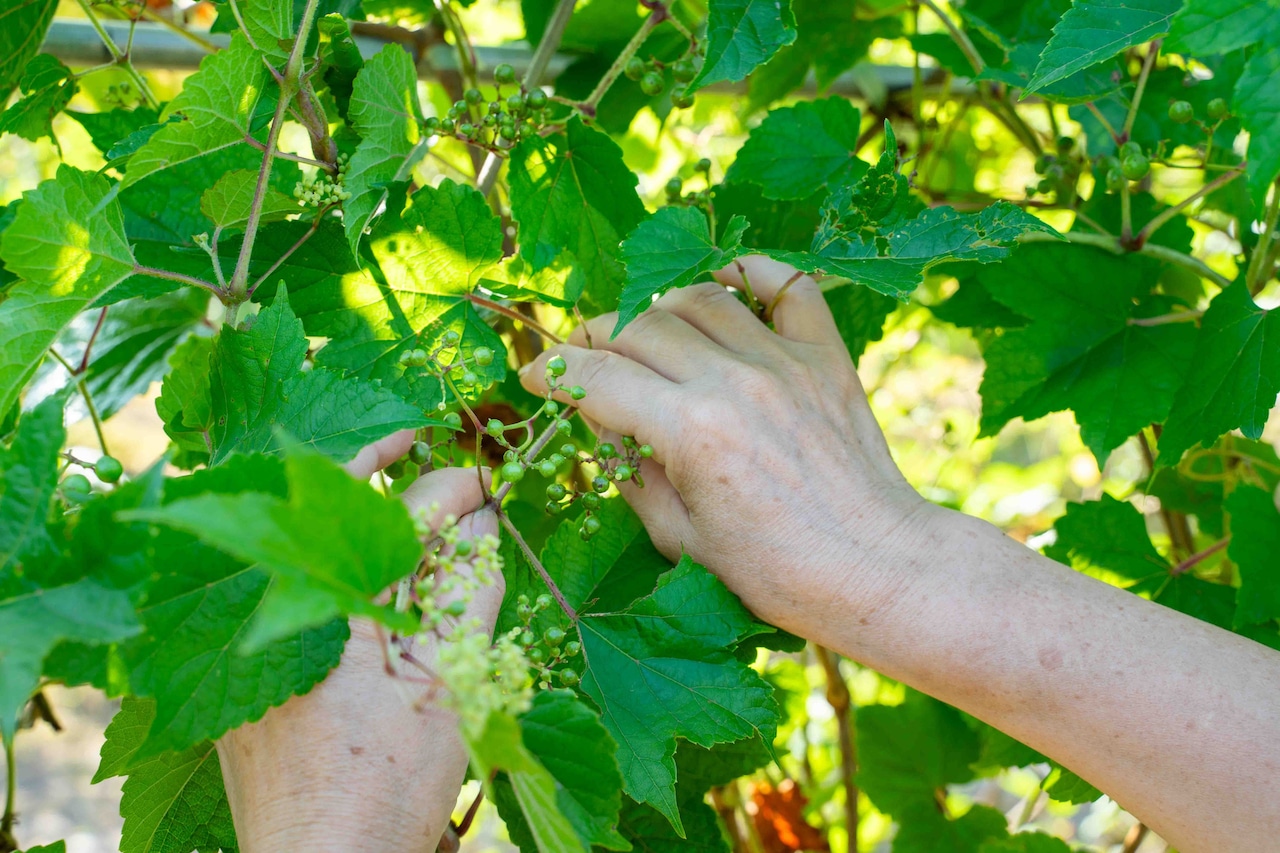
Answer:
x=768 y=466
x=352 y=765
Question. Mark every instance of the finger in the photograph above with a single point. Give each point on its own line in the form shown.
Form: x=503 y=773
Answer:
x=717 y=314
x=666 y=344
x=380 y=454
x=661 y=509
x=453 y=491
x=800 y=313
x=622 y=395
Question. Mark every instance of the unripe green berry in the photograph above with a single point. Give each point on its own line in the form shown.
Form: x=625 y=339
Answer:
x=572 y=648
x=634 y=69
x=622 y=473
x=507 y=132
x=537 y=100
x=109 y=469
x=600 y=484
x=543 y=601
x=512 y=472
x=703 y=165
x=451 y=337
x=1181 y=112
x=537 y=655
x=467 y=129
x=553 y=508
x=494 y=427
x=550 y=408
x=680 y=98
x=1135 y=168
x=568 y=450
x=556 y=491
x=1217 y=109
x=515 y=104
x=577 y=392
x=1115 y=180
x=564 y=427
x=568 y=677
x=463 y=548
x=418 y=357
x=76 y=488
x=431 y=124
x=396 y=469
x=591 y=500
x=470 y=378
x=675 y=187
x=652 y=83
x=556 y=459
x=645 y=451
x=1130 y=149
x=455 y=608
x=1065 y=144
x=419 y=453
x=553 y=636
x=447 y=126
x=684 y=70
x=606 y=451
x=473 y=96
x=591 y=524
x=523 y=610
x=483 y=356
x=453 y=419
x=556 y=366
x=504 y=75
x=547 y=468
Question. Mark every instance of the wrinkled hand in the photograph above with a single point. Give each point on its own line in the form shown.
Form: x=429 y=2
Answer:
x=351 y=765
x=768 y=465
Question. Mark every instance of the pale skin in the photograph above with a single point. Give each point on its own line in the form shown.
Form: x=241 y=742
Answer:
x=770 y=469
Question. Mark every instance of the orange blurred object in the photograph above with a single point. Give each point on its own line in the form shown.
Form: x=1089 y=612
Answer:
x=778 y=814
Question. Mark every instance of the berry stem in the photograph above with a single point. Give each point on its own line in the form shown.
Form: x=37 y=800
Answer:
x=1200 y=556
x=1113 y=245
x=1147 y=64
x=1168 y=213
x=88 y=347
x=536 y=563
x=138 y=269
x=1259 y=271
x=528 y=322
x=958 y=35
x=1102 y=120
x=588 y=107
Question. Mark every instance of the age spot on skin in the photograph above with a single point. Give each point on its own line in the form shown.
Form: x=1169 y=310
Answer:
x=1050 y=659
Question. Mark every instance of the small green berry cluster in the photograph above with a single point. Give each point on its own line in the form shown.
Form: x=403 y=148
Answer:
x=1130 y=164
x=519 y=458
x=547 y=654
x=458 y=369
x=493 y=125
x=675 y=187
x=1059 y=171
x=122 y=95
x=648 y=73
x=615 y=465
x=76 y=488
x=1182 y=112
x=320 y=189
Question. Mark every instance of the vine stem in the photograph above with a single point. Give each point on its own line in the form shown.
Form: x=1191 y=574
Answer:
x=239 y=285
x=154 y=272
x=1200 y=556
x=1166 y=319
x=1168 y=213
x=546 y=49
x=1126 y=216
x=1258 y=273
x=537 y=565
x=1113 y=245
x=119 y=57
x=842 y=704
x=10 y=795
x=657 y=16
x=958 y=35
x=1097 y=113
x=88 y=347
x=1147 y=65
x=83 y=387
x=529 y=322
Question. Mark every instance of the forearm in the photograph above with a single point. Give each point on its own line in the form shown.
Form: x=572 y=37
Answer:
x=1176 y=719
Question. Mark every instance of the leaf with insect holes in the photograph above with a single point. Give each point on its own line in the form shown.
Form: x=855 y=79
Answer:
x=217 y=103
x=67 y=244
x=741 y=36
x=671 y=249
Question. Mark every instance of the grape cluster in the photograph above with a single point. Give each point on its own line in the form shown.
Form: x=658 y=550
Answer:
x=648 y=73
x=1130 y=164
x=548 y=653
x=320 y=189
x=1059 y=170
x=492 y=125
x=700 y=198
x=76 y=488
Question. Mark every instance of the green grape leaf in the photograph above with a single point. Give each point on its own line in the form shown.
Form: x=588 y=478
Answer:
x=1204 y=27
x=648 y=831
x=258 y=391
x=218 y=102
x=560 y=284
x=229 y=202
x=28 y=478
x=185 y=404
x=742 y=35
x=501 y=747
x=662 y=669
x=431 y=258
x=1025 y=842
x=1258 y=104
x=1093 y=31
x=573 y=191
x=1201 y=482
x=55 y=847
x=907 y=752
x=109 y=128
x=174 y=802
x=47 y=87
x=859 y=313
x=1108 y=534
x=67 y=243
x=568 y=740
x=384 y=110
x=1255 y=535
x=320 y=571
x=269 y=23
x=1084 y=347
x=1233 y=376
x=1066 y=787
x=672 y=248
x=924 y=829
x=877 y=234
x=23 y=25
x=779 y=224
x=802 y=149
x=200 y=606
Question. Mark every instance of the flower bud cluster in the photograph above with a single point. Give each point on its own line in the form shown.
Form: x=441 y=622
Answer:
x=320 y=189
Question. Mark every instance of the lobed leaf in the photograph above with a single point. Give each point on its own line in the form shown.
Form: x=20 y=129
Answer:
x=742 y=35
x=802 y=149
